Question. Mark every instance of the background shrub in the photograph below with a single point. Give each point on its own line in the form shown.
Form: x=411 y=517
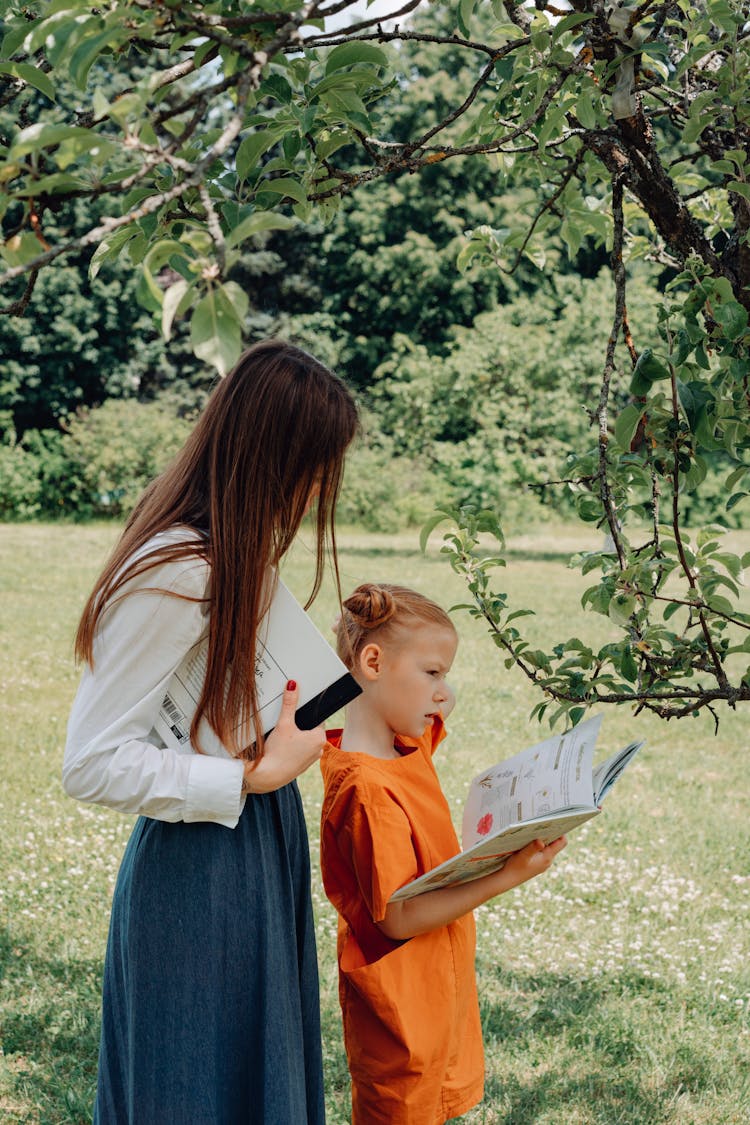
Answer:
x=19 y=482
x=101 y=462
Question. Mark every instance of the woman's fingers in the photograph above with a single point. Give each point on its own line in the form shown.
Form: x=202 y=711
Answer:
x=288 y=705
x=288 y=750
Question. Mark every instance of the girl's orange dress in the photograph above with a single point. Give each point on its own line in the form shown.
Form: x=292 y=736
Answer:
x=410 y=1009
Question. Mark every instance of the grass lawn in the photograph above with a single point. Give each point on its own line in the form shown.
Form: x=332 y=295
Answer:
x=614 y=989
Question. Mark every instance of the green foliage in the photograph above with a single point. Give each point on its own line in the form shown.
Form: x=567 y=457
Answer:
x=113 y=452
x=654 y=666
x=502 y=409
x=97 y=466
x=85 y=336
x=614 y=131
x=85 y=341
x=383 y=490
x=19 y=483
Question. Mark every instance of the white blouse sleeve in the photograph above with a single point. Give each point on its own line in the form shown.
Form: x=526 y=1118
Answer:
x=113 y=756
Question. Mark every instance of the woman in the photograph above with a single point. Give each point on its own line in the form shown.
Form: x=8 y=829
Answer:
x=210 y=996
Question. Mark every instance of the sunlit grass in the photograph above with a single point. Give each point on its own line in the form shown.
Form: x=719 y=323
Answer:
x=613 y=989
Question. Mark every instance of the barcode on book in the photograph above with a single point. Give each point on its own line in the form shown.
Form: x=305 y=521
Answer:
x=176 y=719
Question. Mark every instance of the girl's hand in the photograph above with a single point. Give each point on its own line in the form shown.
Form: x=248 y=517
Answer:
x=426 y=912
x=288 y=751
x=532 y=860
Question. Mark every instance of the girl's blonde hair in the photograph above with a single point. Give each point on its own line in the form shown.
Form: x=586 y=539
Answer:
x=379 y=610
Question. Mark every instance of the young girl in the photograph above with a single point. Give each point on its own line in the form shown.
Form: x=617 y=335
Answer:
x=210 y=995
x=406 y=969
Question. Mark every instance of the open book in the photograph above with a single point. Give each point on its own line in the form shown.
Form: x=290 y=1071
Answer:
x=540 y=794
x=290 y=647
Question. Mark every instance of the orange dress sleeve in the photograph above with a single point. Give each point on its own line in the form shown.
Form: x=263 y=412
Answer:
x=377 y=836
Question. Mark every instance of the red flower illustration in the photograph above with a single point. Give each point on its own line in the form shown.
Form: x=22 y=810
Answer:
x=485 y=824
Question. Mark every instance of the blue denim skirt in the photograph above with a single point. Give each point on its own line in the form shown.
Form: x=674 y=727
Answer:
x=210 y=998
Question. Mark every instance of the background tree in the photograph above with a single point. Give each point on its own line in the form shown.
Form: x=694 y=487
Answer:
x=627 y=126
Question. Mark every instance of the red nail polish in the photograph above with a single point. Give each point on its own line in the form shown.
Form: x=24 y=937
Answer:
x=291 y=685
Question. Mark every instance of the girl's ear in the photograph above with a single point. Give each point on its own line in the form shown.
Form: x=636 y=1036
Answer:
x=370 y=661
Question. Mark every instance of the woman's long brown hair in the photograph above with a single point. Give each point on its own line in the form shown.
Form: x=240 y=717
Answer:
x=273 y=430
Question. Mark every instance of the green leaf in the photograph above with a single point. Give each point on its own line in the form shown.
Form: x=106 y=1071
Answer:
x=519 y=613
x=349 y=54
x=330 y=142
x=572 y=236
x=733 y=319
x=537 y=255
x=682 y=347
x=693 y=397
x=696 y=474
x=671 y=610
x=13 y=39
x=158 y=255
x=20 y=248
x=101 y=105
x=621 y=608
x=735 y=477
x=540 y=39
x=627 y=423
x=285 y=185
x=694 y=128
x=463 y=16
x=733 y=563
x=278 y=87
x=429 y=527
x=251 y=149
x=43 y=135
x=628 y=665
x=722 y=605
x=739 y=188
x=86 y=53
x=173 y=299
x=110 y=246
x=585 y=111
x=567 y=23
x=647 y=370
x=589 y=508
x=238 y=298
x=56 y=184
x=348 y=106
x=31 y=75
x=473 y=249
x=215 y=331
x=255 y=224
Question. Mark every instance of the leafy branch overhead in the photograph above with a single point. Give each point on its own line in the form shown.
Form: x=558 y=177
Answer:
x=628 y=124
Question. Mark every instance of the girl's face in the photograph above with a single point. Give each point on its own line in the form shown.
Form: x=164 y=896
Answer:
x=410 y=680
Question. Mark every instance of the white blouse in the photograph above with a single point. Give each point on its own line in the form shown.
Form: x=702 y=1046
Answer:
x=113 y=756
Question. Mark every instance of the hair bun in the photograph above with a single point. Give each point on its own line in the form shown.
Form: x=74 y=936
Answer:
x=370 y=605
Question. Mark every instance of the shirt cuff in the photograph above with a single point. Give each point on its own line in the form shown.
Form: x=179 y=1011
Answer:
x=214 y=790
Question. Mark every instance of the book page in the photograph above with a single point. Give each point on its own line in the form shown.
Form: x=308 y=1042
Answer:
x=290 y=647
x=544 y=792
x=550 y=776
x=491 y=855
x=608 y=771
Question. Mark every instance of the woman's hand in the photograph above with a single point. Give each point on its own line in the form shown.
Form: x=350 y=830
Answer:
x=288 y=750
